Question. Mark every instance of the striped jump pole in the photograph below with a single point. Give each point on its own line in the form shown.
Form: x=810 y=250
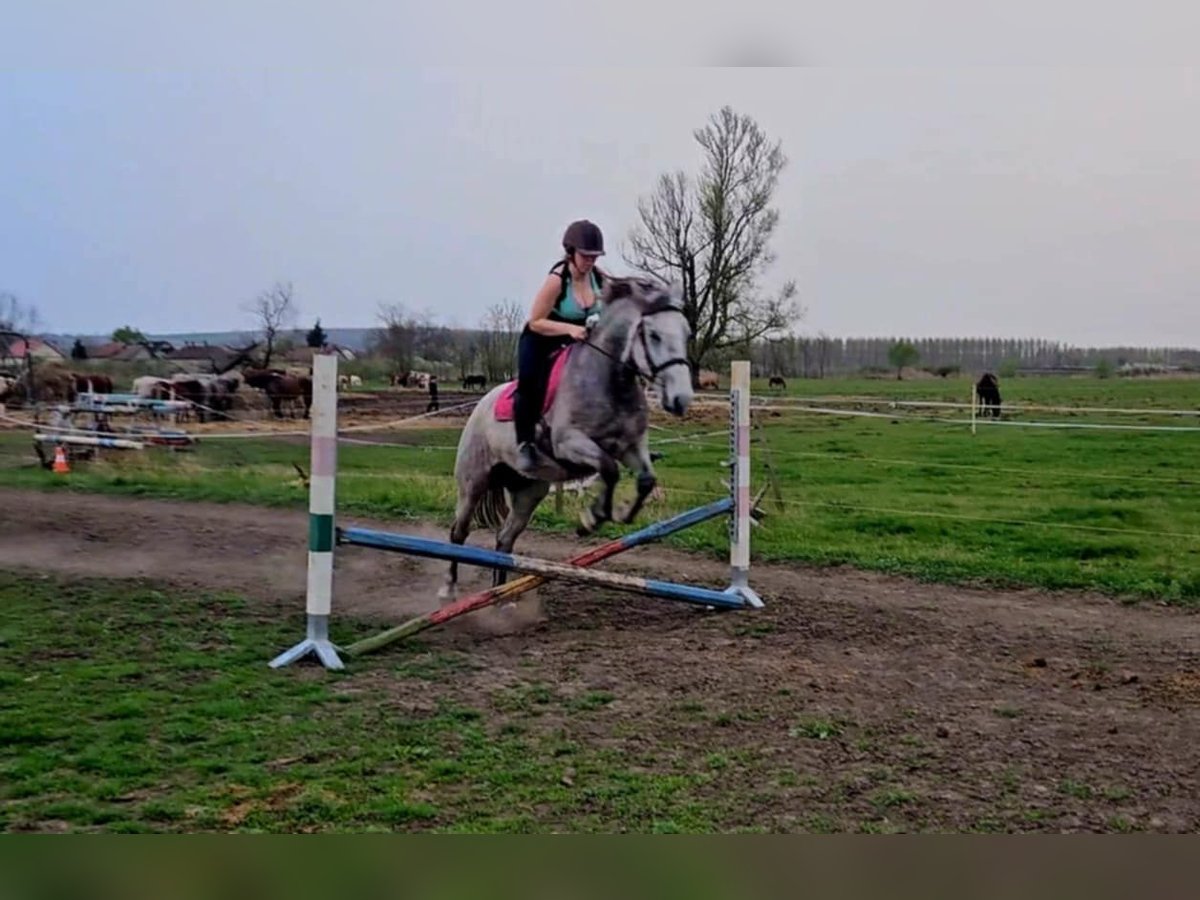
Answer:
x=526 y=583
x=323 y=475
x=739 y=484
x=493 y=559
x=84 y=440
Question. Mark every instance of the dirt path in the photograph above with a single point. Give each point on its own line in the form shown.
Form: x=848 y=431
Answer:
x=852 y=698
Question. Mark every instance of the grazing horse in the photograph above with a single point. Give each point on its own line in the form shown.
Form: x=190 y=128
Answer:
x=597 y=417
x=777 y=381
x=96 y=383
x=474 y=381
x=280 y=386
x=988 y=389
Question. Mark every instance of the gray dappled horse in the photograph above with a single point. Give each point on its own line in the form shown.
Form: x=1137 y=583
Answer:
x=598 y=420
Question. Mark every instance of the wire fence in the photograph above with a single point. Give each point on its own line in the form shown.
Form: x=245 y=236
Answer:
x=703 y=441
x=980 y=420
x=946 y=404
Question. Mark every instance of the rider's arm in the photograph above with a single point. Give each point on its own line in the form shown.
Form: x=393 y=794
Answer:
x=543 y=302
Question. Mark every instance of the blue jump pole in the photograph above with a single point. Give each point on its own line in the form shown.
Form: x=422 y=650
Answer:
x=492 y=559
x=511 y=590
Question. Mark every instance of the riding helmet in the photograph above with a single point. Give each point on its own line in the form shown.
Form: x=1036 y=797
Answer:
x=584 y=237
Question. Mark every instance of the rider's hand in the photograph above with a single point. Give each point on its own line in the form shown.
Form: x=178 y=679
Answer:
x=579 y=333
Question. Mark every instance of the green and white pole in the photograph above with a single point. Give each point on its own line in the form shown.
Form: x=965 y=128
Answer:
x=322 y=478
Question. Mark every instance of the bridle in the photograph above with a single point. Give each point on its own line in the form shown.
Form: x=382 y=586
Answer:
x=655 y=369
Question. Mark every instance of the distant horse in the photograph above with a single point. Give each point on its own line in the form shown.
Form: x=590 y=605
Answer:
x=597 y=419
x=474 y=381
x=95 y=383
x=281 y=386
x=777 y=381
x=189 y=389
x=988 y=390
x=709 y=380
x=149 y=387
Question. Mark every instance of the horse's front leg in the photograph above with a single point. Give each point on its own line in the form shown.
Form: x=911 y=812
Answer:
x=637 y=459
x=576 y=447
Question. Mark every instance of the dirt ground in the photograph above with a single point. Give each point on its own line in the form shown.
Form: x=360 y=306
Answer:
x=852 y=700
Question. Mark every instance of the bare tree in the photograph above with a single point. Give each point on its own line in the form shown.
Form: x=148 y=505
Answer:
x=824 y=350
x=396 y=340
x=17 y=316
x=274 y=309
x=712 y=233
x=501 y=326
x=466 y=351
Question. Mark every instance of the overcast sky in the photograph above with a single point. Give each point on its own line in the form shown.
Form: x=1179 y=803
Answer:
x=160 y=176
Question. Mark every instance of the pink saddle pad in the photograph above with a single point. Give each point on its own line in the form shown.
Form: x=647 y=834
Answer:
x=505 y=404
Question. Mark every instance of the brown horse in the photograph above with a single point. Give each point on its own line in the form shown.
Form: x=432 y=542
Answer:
x=280 y=386
x=94 y=382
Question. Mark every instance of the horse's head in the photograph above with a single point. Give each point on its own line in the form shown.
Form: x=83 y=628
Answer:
x=656 y=344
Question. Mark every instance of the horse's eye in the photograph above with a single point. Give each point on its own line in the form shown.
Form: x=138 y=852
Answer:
x=655 y=337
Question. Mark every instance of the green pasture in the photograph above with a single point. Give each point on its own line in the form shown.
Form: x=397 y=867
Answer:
x=1114 y=511
x=125 y=708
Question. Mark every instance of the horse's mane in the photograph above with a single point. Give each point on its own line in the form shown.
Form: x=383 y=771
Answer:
x=655 y=295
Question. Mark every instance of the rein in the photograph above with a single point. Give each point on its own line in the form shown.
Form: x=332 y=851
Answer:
x=654 y=369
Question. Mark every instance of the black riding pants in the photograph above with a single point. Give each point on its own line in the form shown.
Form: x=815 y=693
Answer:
x=533 y=373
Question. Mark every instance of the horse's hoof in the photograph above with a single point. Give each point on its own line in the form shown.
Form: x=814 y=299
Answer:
x=447 y=592
x=627 y=515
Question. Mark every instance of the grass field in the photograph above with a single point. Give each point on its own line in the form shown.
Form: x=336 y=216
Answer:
x=847 y=704
x=1114 y=511
x=139 y=710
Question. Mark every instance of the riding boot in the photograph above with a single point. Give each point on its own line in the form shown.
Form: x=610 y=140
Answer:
x=527 y=458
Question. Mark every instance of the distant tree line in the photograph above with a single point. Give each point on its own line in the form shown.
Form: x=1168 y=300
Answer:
x=819 y=356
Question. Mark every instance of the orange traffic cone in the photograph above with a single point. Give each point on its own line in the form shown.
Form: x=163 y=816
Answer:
x=60 y=460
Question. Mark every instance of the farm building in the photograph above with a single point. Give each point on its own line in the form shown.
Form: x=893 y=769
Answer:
x=40 y=350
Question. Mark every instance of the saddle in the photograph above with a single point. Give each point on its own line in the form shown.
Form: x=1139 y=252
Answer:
x=505 y=403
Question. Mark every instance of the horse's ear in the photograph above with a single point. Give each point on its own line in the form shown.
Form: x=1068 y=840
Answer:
x=619 y=288
x=675 y=292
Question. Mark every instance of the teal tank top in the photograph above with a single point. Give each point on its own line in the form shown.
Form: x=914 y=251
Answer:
x=567 y=309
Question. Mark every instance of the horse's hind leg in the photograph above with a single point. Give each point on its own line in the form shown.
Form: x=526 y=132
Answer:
x=525 y=500
x=469 y=494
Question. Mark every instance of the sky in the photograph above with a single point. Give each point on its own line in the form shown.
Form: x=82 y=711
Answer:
x=1008 y=173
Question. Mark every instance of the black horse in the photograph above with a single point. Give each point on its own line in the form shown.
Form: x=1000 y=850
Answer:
x=988 y=391
x=474 y=381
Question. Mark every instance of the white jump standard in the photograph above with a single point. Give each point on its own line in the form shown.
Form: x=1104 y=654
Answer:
x=324 y=537
x=322 y=482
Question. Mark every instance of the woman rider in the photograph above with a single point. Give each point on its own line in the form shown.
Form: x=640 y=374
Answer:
x=568 y=296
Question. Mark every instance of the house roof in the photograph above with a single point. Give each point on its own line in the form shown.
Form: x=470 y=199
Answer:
x=16 y=348
x=305 y=354
x=106 y=351
x=201 y=351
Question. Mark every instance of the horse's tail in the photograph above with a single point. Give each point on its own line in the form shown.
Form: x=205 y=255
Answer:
x=493 y=506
